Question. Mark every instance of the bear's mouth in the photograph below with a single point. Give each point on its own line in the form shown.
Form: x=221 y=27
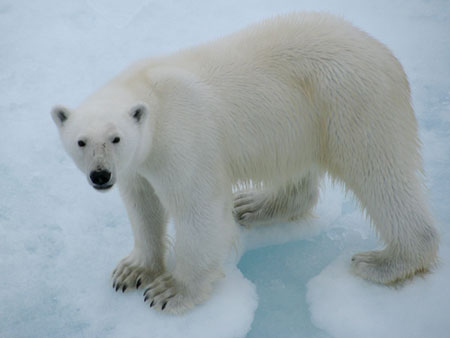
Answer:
x=103 y=187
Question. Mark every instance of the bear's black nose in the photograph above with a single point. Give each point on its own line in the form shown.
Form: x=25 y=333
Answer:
x=100 y=177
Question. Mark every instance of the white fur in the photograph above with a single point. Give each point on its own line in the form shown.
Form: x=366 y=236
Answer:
x=272 y=107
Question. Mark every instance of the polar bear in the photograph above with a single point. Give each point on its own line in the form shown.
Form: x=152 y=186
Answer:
x=270 y=109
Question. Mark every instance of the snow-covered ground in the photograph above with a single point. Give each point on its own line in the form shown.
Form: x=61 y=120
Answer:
x=60 y=240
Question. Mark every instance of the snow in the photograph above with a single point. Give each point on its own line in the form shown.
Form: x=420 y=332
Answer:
x=350 y=307
x=60 y=240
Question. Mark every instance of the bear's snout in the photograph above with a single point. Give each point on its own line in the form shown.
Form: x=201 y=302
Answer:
x=101 y=179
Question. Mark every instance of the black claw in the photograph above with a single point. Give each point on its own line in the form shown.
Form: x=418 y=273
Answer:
x=117 y=287
x=124 y=288
x=146 y=290
x=138 y=284
x=152 y=303
x=164 y=306
x=353 y=259
x=145 y=298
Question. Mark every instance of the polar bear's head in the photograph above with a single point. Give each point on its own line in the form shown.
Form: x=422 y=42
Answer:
x=105 y=141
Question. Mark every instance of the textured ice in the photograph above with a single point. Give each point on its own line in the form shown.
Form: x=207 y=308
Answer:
x=352 y=308
x=60 y=240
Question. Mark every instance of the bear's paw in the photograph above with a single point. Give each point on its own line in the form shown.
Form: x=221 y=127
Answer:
x=130 y=273
x=167 y=294
x=382 y=267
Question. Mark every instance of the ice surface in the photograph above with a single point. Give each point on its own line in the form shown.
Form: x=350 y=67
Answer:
x=349 y=307
x=60 y=240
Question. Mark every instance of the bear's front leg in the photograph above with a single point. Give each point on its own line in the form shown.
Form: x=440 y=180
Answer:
x=204 y=233
x=148 y=221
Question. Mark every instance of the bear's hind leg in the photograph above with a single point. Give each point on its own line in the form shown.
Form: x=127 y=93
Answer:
x=392 y=194
x=287 y=203
x=398 y=210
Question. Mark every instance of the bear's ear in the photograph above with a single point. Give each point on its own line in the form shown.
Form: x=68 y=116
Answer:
x=60 y=115
x=139 y=112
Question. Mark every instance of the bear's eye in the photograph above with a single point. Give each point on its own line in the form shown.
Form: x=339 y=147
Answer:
x=81 y=143
x=116 y=139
